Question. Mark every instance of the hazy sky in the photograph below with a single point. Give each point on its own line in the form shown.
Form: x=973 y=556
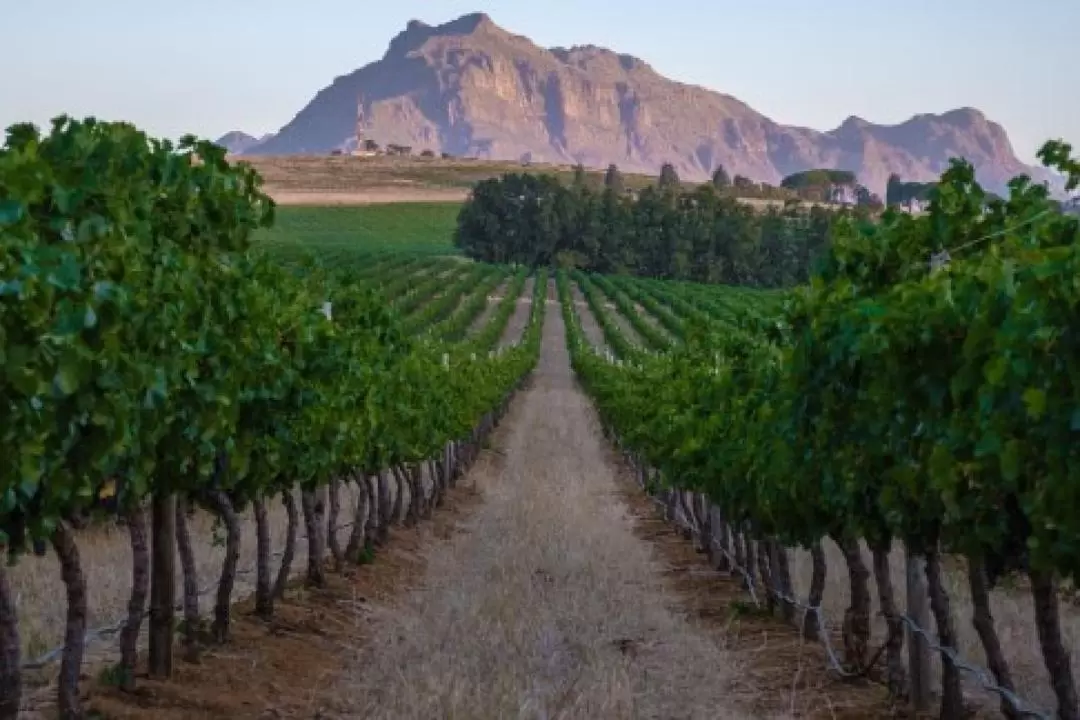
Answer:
x=207 y=66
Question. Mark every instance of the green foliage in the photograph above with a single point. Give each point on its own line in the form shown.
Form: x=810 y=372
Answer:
x=898 y=192
x=720 y=178
x=150 y=345
x=346 y=234
x=821 y=178
x=664 y=232
x=669 y=178
x=894 y=397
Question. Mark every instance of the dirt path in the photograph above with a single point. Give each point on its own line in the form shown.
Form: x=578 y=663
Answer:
x=519 y=320
x=593 y=332
x=548 y=604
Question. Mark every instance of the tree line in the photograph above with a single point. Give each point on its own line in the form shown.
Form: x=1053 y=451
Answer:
x=704 y=234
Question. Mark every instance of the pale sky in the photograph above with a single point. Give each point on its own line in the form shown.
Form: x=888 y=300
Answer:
x=208 y=67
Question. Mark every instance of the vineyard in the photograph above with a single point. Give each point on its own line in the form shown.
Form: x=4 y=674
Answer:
x=876 y=465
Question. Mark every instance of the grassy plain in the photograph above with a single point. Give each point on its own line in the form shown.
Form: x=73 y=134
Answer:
x=340 y=232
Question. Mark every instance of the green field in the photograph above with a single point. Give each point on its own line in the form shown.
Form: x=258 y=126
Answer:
x=333 y=232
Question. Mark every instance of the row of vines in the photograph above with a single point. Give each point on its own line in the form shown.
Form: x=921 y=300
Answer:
x=922 y=389
x=154 y=359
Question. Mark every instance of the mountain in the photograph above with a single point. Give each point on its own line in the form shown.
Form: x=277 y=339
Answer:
x=470 y=88
x=237 y=142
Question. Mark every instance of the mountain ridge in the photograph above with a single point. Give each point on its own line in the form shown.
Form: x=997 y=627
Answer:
x=471 y=88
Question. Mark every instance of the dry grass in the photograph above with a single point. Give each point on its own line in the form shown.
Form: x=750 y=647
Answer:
x=549 y=605
x=106 y=557
x=292 y=666
x=373 y=196
x=346 y=180
x=308 y=173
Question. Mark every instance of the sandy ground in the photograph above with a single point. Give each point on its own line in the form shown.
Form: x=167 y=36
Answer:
x=549 y=604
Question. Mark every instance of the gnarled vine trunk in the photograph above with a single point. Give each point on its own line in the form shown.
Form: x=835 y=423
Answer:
x=765 y=573
x=740 y=550
x=436 y=492
x=416 y=485
x=386 y=515
x=983 y=620
x=163 y=543
x=10 y=651
x=403 y=475
x=778 y=560
x=331 y=524
x=63 y=542
x=1055 y=655
x=355 y=547
x=720 y=548
x=399 y=494
x=287 y=555
x=221 y=506
x=857 y=616
x=140 y=589
x=894 y=645
x=374 y=516
x=316 y=576
x=191 y=581
x=264 y=596
x=952 y=698
x=818 y=575
x=703 y=512
x=750 y=564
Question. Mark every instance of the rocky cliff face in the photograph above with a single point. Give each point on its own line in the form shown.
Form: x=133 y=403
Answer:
x=471 y=88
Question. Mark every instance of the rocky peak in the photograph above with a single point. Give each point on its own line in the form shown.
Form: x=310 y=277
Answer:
x=417 y=32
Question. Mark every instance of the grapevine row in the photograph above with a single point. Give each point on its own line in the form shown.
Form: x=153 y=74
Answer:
x=653 y=337
x=655 y=304
x=155 y=358
x=897 y=399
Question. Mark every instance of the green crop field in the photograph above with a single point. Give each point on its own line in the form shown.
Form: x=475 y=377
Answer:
x=415 y=228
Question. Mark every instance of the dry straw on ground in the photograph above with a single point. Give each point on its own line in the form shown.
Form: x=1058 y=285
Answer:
x=549 y=605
